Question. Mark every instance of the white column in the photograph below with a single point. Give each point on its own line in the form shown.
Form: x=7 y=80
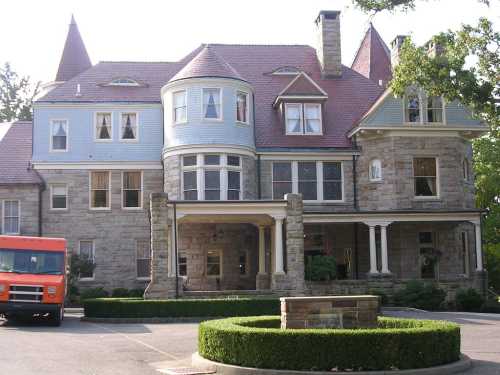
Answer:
x=479 y=249
x=383 y=249
x=171 y=252
x=373 y=250
x=278 y=242
x=262 y=251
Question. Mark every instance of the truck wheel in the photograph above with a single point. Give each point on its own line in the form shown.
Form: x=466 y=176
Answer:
x=57 y=317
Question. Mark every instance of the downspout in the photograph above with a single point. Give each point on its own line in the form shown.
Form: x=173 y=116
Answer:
x=41 y=188
x=356 y=208
x=175 y=252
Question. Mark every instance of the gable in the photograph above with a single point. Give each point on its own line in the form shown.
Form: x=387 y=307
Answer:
x=302 y=85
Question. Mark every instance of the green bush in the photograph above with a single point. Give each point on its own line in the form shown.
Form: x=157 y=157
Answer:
x=469 y=300
x=384 y=298
x=396 y=344
x=93 y=293
x=320 y=268
x=426 y=296
x=120 y=293
x=491 y=306
x=138 y=308
x=136 y=293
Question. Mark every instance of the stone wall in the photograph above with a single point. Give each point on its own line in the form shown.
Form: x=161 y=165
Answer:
x=113 y=231
x=28 y=197
x=396 y=189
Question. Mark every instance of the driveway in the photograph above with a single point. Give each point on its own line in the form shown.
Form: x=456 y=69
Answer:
x=111 y=349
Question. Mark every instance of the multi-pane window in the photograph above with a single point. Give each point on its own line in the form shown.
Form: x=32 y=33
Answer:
x=332 y=181
x=59 y=135
x=308 y=180
x=212 y=185
x=282 y=179
x=143 y=251
x=103 y=126
x=100 y=190
x=303 y=118
x=412 y=104
x=189 y=177
x=129 y=127
x=213 y=263
x=132 y=189
x=428 y=258
x=182 y=263
x=59 y=197
x=86 y=253
x=212 y=104
x=375 y=170
x=425 y=177
x=233 y=178
x=11 y=217
x=180 y=107
x=434 y=109
x=242 y=107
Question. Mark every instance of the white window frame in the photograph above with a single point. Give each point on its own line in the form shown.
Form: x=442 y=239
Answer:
x=90 y=192
x=18 y=217
x=93 y=258
x=443 y=111
x=220 y=251
x=96 y=139
x=406 y=117
x=247 y=114
x=182 y=255
x=221 y=111
x=51 y=123
x=174 y=107
x=142 y=278
x=319 y=180
x=141 y=194
x=120 y=137
x=370 y=168
x=438 y=189
x=52 y=208
x=423 y=108
x=465 y=170
x=302 y=112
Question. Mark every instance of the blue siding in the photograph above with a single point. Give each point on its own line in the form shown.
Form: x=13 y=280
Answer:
x=83 y=148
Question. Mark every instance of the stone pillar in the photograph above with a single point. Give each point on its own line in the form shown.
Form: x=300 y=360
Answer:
x=262 y=279
x=278 y=241
x=383 y=249
x=373 y=251
x=479 y=248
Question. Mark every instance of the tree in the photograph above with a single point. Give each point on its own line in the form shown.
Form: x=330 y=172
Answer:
x=16 y=95
x=391 y=5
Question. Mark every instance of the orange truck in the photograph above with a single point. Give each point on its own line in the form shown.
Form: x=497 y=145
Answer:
x=32 y=277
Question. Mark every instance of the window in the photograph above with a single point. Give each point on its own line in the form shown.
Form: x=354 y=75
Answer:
x=132 y=190
x=100 y=190
x=59 y=135
x=375 y=170
x=212 y=185
x=242 y=107
x=190 y=185
x=233 y=178
x=464 y=239
x=213 y=263
x=282 y=179
x=86 y=253
x=124 y=82
x=59 y=197
x=412 y=105
x=434 y=109
x=303 y=118
x=129 y=127
x=212 y=104
x=332 y=181
x=11 y=217
x=428 y=255
x=243 y=263
x=425 y=176
x=182 y=264
x=180 y=107
x=143 y=254
x=465 y=169
x=103 y=127
x=307 y=180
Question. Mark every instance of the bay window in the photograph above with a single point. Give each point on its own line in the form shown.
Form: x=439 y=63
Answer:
x=425 y=177
x=180 y=107
x=242 y=107
x=103 y=127
x=212 y=185
x=303 y=118
x=129 y=127
x=59 y=135
x=11 y=217
x=132 y=189
x=212 y=104
x=100 y=184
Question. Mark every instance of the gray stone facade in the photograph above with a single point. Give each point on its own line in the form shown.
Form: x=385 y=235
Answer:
x=28 y=196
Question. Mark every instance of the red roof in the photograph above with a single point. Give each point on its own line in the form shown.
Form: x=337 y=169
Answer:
x=15 y=155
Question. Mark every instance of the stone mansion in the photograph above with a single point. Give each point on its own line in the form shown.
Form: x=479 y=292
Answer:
x=231 y=169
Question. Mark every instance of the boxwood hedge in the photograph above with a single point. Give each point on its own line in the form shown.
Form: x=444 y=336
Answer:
x=396 y=344
x=139 y=308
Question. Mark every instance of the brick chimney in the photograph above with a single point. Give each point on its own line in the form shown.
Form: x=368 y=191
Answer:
x=396 y=48
x=328 y=48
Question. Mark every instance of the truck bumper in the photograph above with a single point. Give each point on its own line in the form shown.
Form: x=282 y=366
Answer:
x=28 y=308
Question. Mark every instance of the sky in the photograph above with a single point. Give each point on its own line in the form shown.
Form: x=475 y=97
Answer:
x=32 y=32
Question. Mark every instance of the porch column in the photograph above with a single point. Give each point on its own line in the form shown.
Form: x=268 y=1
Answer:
x=262 y=251
x=373 y=250
x=383 y=248
x=171 y=252
x=479 y=249
x=278 y=242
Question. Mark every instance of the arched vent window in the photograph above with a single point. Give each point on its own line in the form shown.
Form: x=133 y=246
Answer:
x=286 y=71
x=375 y=170
x=124 y=82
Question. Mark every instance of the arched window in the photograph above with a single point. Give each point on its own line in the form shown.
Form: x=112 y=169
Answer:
x=124 y=82
x=465 y=169
x=375 y=170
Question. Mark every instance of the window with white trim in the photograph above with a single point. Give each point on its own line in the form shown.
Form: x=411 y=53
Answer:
x=182 y=263
x=143 y=256
x=375 y=170
x=332 y=181
x=282 y=179
x=129 y=128
x=180 y=107
x=465 y=169
x=86 y=253
x=58 y=197
x=132 y=189
x=100 y=185
x=59 y=135
x=303 y=118
x=412 y=107
x=103 y=127
x=11 y=213
x=242 y=107
x=214 y=267
x=425 y=177
x=435 y=109
x=212 y=104
x=308 y=180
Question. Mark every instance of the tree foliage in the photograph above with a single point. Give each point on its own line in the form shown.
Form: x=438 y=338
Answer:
x=16 y=95
x=391 y=5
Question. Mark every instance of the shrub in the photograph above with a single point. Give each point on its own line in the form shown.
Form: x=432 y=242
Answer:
x=120 y=293
x=491 y=306
x=396 y=344
x=426 y=296
x=384 y=299
x=320 y=268
x=93 y=293
x=137 y=308
x=469 y=300
x=136 y=293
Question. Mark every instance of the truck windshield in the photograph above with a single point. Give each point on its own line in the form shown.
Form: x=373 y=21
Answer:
x=31 y=261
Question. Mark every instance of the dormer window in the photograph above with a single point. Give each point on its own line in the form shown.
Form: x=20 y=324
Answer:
x=129 y=126
x=180 y=107
x=103 y=126
x=124 y=82
x=286 y=71
x=303 y=118
x=434 y=109
x=421 y=108
x=412 y=106
x=212 y=104
x=242 y=107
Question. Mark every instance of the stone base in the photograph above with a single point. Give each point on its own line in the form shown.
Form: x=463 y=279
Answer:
x=163 y=289
x=262 y=281
x=480 y=281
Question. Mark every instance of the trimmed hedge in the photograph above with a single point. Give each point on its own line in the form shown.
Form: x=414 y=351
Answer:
x=139 y=308
x=397 y=344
